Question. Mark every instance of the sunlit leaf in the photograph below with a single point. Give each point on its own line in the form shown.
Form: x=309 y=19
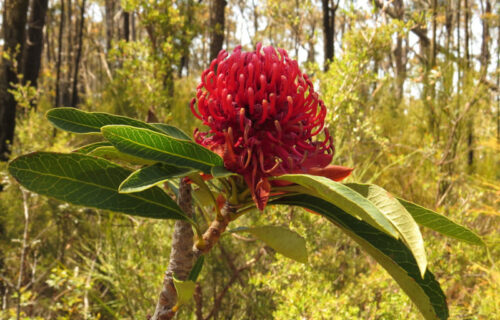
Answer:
x=390 y=253
x=400 y=218
x=440 y=223
x=283 y=240
x=156 y=146
x=185 y=290
x=345 y=198
x=110 y=153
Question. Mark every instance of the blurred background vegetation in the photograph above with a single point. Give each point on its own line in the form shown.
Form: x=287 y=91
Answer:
x=412 y=89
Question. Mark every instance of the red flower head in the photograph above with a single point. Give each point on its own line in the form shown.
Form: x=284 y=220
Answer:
x=263 y=114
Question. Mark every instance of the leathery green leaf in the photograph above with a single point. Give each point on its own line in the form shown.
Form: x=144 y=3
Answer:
x=390 y=253
x=195 y=271
x=91 y=182
x=78 y=121
x=151 y=176
x=283 y=240
x=151 y=145
x=171 y=131
x=345 y=198
x=91 y=147
x=439 y=223
x=400 y=218
x=112 y=154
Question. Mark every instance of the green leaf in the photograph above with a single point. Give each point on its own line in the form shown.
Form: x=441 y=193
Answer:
x=91 y=147
x=185 y=290
x=78 y=121
x=171 y=131
x=110 y=153
x=195 y=272
x=221 y=172
x=390 y=253
x=91 y=182
x=151 y=176
x=155 y=146
x=400 y=218
x=203 y=194
x=283 y=240
x=345 y=198
x=441 y=224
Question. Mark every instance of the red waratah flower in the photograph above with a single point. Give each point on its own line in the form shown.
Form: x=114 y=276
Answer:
x=263 y=114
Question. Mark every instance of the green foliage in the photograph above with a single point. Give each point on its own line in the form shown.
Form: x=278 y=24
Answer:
x=284 y=241
x=118 y=261
x=440 y=223
x=368 y=214
x=392 y=254
x=154 y=146
x=344 y=197
x=150 y=176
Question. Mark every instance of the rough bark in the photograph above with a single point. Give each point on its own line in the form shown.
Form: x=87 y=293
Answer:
x=34 y=44
x=74 y=98
x=181 y=257
x=215 y=230
x=184 y=252
x=217 y=26
x=14 y=25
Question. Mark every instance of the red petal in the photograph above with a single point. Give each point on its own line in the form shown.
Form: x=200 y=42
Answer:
x=317 y=161
x=260 y=192
x=336 y=173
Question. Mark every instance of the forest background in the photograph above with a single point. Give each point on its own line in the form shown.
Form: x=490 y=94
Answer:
x=412 y=90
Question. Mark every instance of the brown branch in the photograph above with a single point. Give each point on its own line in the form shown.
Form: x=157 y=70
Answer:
x=181 y=257
x=213 y=233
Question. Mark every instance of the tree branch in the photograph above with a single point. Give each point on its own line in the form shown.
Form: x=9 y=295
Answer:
x=181 y=257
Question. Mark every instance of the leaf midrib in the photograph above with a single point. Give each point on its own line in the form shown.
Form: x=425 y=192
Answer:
x=99 y=186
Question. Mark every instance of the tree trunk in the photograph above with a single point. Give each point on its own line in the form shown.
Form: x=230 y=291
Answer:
x=184 y=61
x=109 y=6
x=14 y=26
x=181 y=257
x=34 y=45
x=59 y=57
x=399 y=54
x=470 y=123
x=126 y=25
x=74 y=99
x=485 y=51
x=329 y=11
x=217 y=26
x=498 y=84
x=68 y=57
